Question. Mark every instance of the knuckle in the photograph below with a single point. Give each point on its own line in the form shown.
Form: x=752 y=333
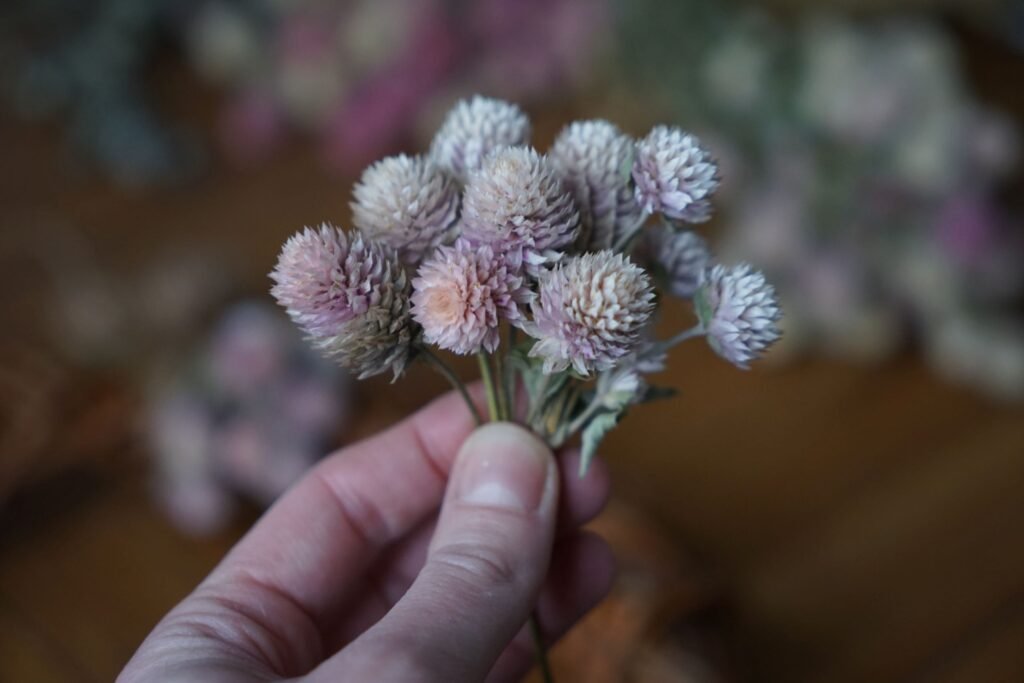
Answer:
x=478 y=564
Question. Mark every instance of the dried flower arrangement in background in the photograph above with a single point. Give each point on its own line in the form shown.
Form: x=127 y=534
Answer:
x=486 y=247
x=862 y=174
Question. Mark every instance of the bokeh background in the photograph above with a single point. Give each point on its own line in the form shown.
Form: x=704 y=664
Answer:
x=851 y=510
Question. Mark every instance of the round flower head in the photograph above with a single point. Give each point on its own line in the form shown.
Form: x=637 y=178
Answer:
x=738 y=311
x=674 y=175
x=680 y=256
x=593 y=158
x=350 y=295
x=407 y=203
x=516 y=204
x=473 y=129
x=460 y=295
x=590 y=312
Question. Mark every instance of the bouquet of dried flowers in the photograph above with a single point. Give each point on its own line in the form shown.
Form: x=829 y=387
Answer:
x=543 y=266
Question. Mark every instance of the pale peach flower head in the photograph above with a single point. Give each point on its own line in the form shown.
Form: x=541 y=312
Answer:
x=462 y=293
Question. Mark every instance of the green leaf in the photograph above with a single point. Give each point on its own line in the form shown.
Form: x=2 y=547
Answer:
x=593 y=433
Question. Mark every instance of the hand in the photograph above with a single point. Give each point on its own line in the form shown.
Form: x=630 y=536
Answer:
x=353 y=575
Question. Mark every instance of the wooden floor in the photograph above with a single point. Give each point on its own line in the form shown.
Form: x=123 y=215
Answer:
x=858 y=524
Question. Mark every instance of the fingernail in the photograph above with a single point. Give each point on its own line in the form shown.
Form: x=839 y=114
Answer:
x=503 y=465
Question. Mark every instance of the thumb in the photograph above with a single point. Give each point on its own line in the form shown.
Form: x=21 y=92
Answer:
x=484 y=570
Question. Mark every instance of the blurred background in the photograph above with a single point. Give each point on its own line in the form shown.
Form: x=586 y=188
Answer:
x=851 y=510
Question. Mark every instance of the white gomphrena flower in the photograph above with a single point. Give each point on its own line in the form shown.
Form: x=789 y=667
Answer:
x=679 y=256
x=462 y=293
x=350 y=294
x=473 y=129
x=739 y=312
x=594 y=160
x=674 y=175
x=517 y=205
x=408 y=203
x=590 y=312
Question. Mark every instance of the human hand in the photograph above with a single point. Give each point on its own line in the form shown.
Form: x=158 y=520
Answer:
x=354 y=575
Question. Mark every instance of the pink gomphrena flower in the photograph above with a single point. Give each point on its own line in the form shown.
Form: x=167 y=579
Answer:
x=679 y=256
x=461 y=294
x=517 y=205
x=738 y=311
x=594 y=158
x=590 y=312
x=350 y=294
x=674 y=175
x=472 y=130
x=408 y=203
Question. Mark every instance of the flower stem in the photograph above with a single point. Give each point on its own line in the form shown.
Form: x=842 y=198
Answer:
x=582 y=418
x=540 y=650
x=501 y=389
x=695 y=331
x=538 y=400
x=448 y=373
x=488 y=377
x=626 y=240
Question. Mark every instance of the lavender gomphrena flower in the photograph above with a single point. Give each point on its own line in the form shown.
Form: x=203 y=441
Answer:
x=350 y=294
x=594 y=158
x=590 y=312
x=680 y=256
x=674 y=175
x=408 y=203
x=517 y=205
x=462 y=293
x=473 y=129
x=738 y=311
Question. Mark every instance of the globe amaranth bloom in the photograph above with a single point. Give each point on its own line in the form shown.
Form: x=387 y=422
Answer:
x=350 y=294
x=590 y=312
x=407 y=203
x=461 y=294
x=739 y=312
x=517 y=205
x=674 y=175
x=678 y=256
x=594 y=160
x=473 y=129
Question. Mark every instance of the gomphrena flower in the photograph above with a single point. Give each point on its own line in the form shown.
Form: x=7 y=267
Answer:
x=738 y=311
x=590 y=312
x=462 y=293
x=679 y=256
x=408 y=203
x=473 y=129
x=594 y=160
x=350 y=294
x=517 y=205
x=674 y=175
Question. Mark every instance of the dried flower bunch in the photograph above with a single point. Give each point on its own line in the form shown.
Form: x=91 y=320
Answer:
x=543 y=266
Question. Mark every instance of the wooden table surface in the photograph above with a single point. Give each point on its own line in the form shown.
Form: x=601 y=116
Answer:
x=863 y=524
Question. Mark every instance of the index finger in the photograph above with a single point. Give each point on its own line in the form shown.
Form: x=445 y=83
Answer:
x=316 y=543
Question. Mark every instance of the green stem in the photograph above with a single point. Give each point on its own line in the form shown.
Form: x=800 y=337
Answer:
x=501 y=389
x=538 y=400
x=695 y=331
x=448 y=373
x=581 y=420
x=488 y=377
x=540 y=650
x=624 y=242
